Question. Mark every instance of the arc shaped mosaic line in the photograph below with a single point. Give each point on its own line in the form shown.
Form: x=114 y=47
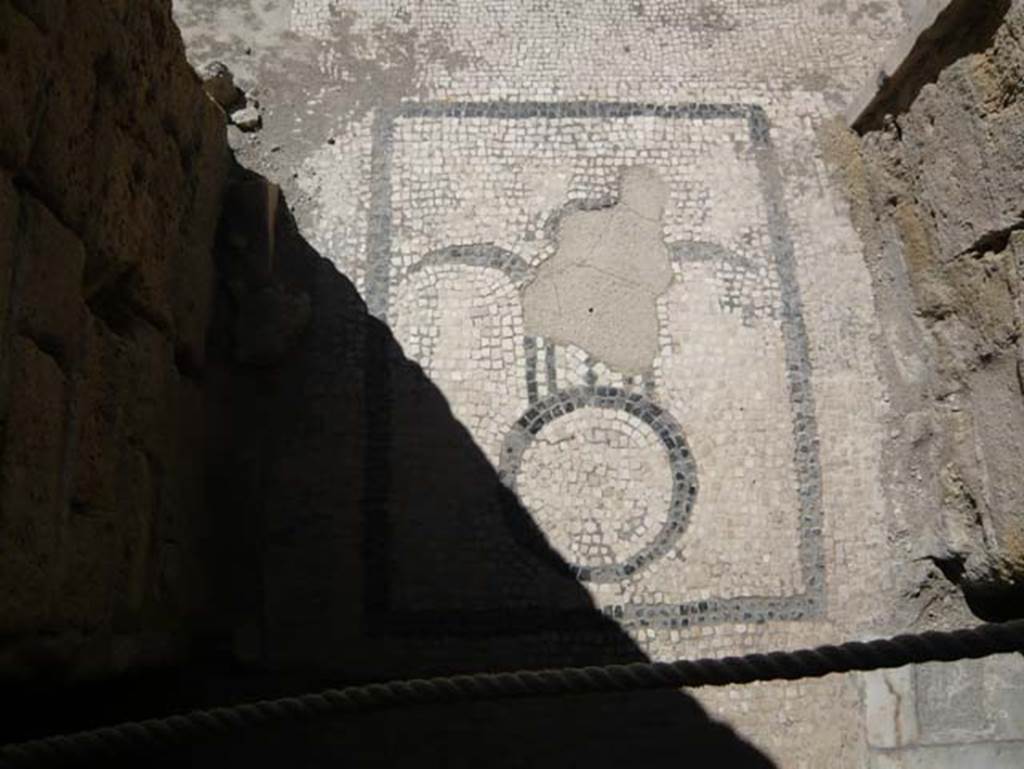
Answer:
x=487 y=256
x=484 y=256
x=706 y=251
x=681 y=463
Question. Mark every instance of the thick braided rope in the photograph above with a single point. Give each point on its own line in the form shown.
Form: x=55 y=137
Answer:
x=197 y=725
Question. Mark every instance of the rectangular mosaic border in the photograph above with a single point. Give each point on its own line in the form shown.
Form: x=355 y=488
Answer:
x=381 y=617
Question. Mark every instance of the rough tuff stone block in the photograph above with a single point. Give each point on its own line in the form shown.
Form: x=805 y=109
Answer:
x=193 y=273
x=940 y=33
x=955 y=153
x=147 y=383
x=83 y=598
x=1004 y=695
x=97 y=448
x=117 y=177
x=112 y=481
x=106 y=268
x=9 y=212
x=939 y=204
x=48 y=15
x=970 y=700
x=24 y=61
x=134 y=527
x=134 y=230
x=31 y=490
x=63 y=146
x=126 y=393
x=49 y=299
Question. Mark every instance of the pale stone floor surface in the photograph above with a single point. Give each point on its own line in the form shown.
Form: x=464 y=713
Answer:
x=605 y=230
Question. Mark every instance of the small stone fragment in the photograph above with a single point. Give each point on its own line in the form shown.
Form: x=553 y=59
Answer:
x=247 y=119
x=219 y=83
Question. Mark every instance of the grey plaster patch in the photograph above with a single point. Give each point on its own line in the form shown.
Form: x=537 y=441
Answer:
x=600 y=288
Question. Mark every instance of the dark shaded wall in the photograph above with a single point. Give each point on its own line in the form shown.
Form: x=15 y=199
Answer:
x=111 y=168
x=937 y=192
x=205 y=437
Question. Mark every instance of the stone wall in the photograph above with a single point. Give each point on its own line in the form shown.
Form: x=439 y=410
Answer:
x=111 y=168
x=937 y=193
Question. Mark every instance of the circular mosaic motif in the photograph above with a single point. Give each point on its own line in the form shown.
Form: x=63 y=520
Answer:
x=607 y=476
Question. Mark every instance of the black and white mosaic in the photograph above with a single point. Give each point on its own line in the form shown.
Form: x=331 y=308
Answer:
x=454 y=149
x=618 y=508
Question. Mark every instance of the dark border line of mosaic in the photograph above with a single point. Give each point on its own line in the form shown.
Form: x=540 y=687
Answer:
x=381 y=617
x=520 y=110
x=378 y=397
x=477 y=255
x=530 y=350
x=378 y=230
x=798 y=366
x=551 y=368
x=515 y=621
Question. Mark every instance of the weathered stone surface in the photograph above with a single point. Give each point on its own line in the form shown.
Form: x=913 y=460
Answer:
x=107 y=275
x=24 y=62
x=147 y=373
x=135 y=526
x=939 y=33
x=47 y=14
x=122 y=178
x=83 y=598
x=100 y=417
x=191 y=283
x=959 y=701
x=113 y=495
x=51 y=259
x=937 y=196
x=959 y=150
x=32 y=504
x=9 y=213
x=268 y=322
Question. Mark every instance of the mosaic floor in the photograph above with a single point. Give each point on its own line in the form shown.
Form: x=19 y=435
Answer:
x=633 y=285
x=605 y=232
x=617 y=452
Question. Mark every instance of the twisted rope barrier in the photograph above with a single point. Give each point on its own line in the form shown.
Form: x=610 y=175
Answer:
x=185 y=728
